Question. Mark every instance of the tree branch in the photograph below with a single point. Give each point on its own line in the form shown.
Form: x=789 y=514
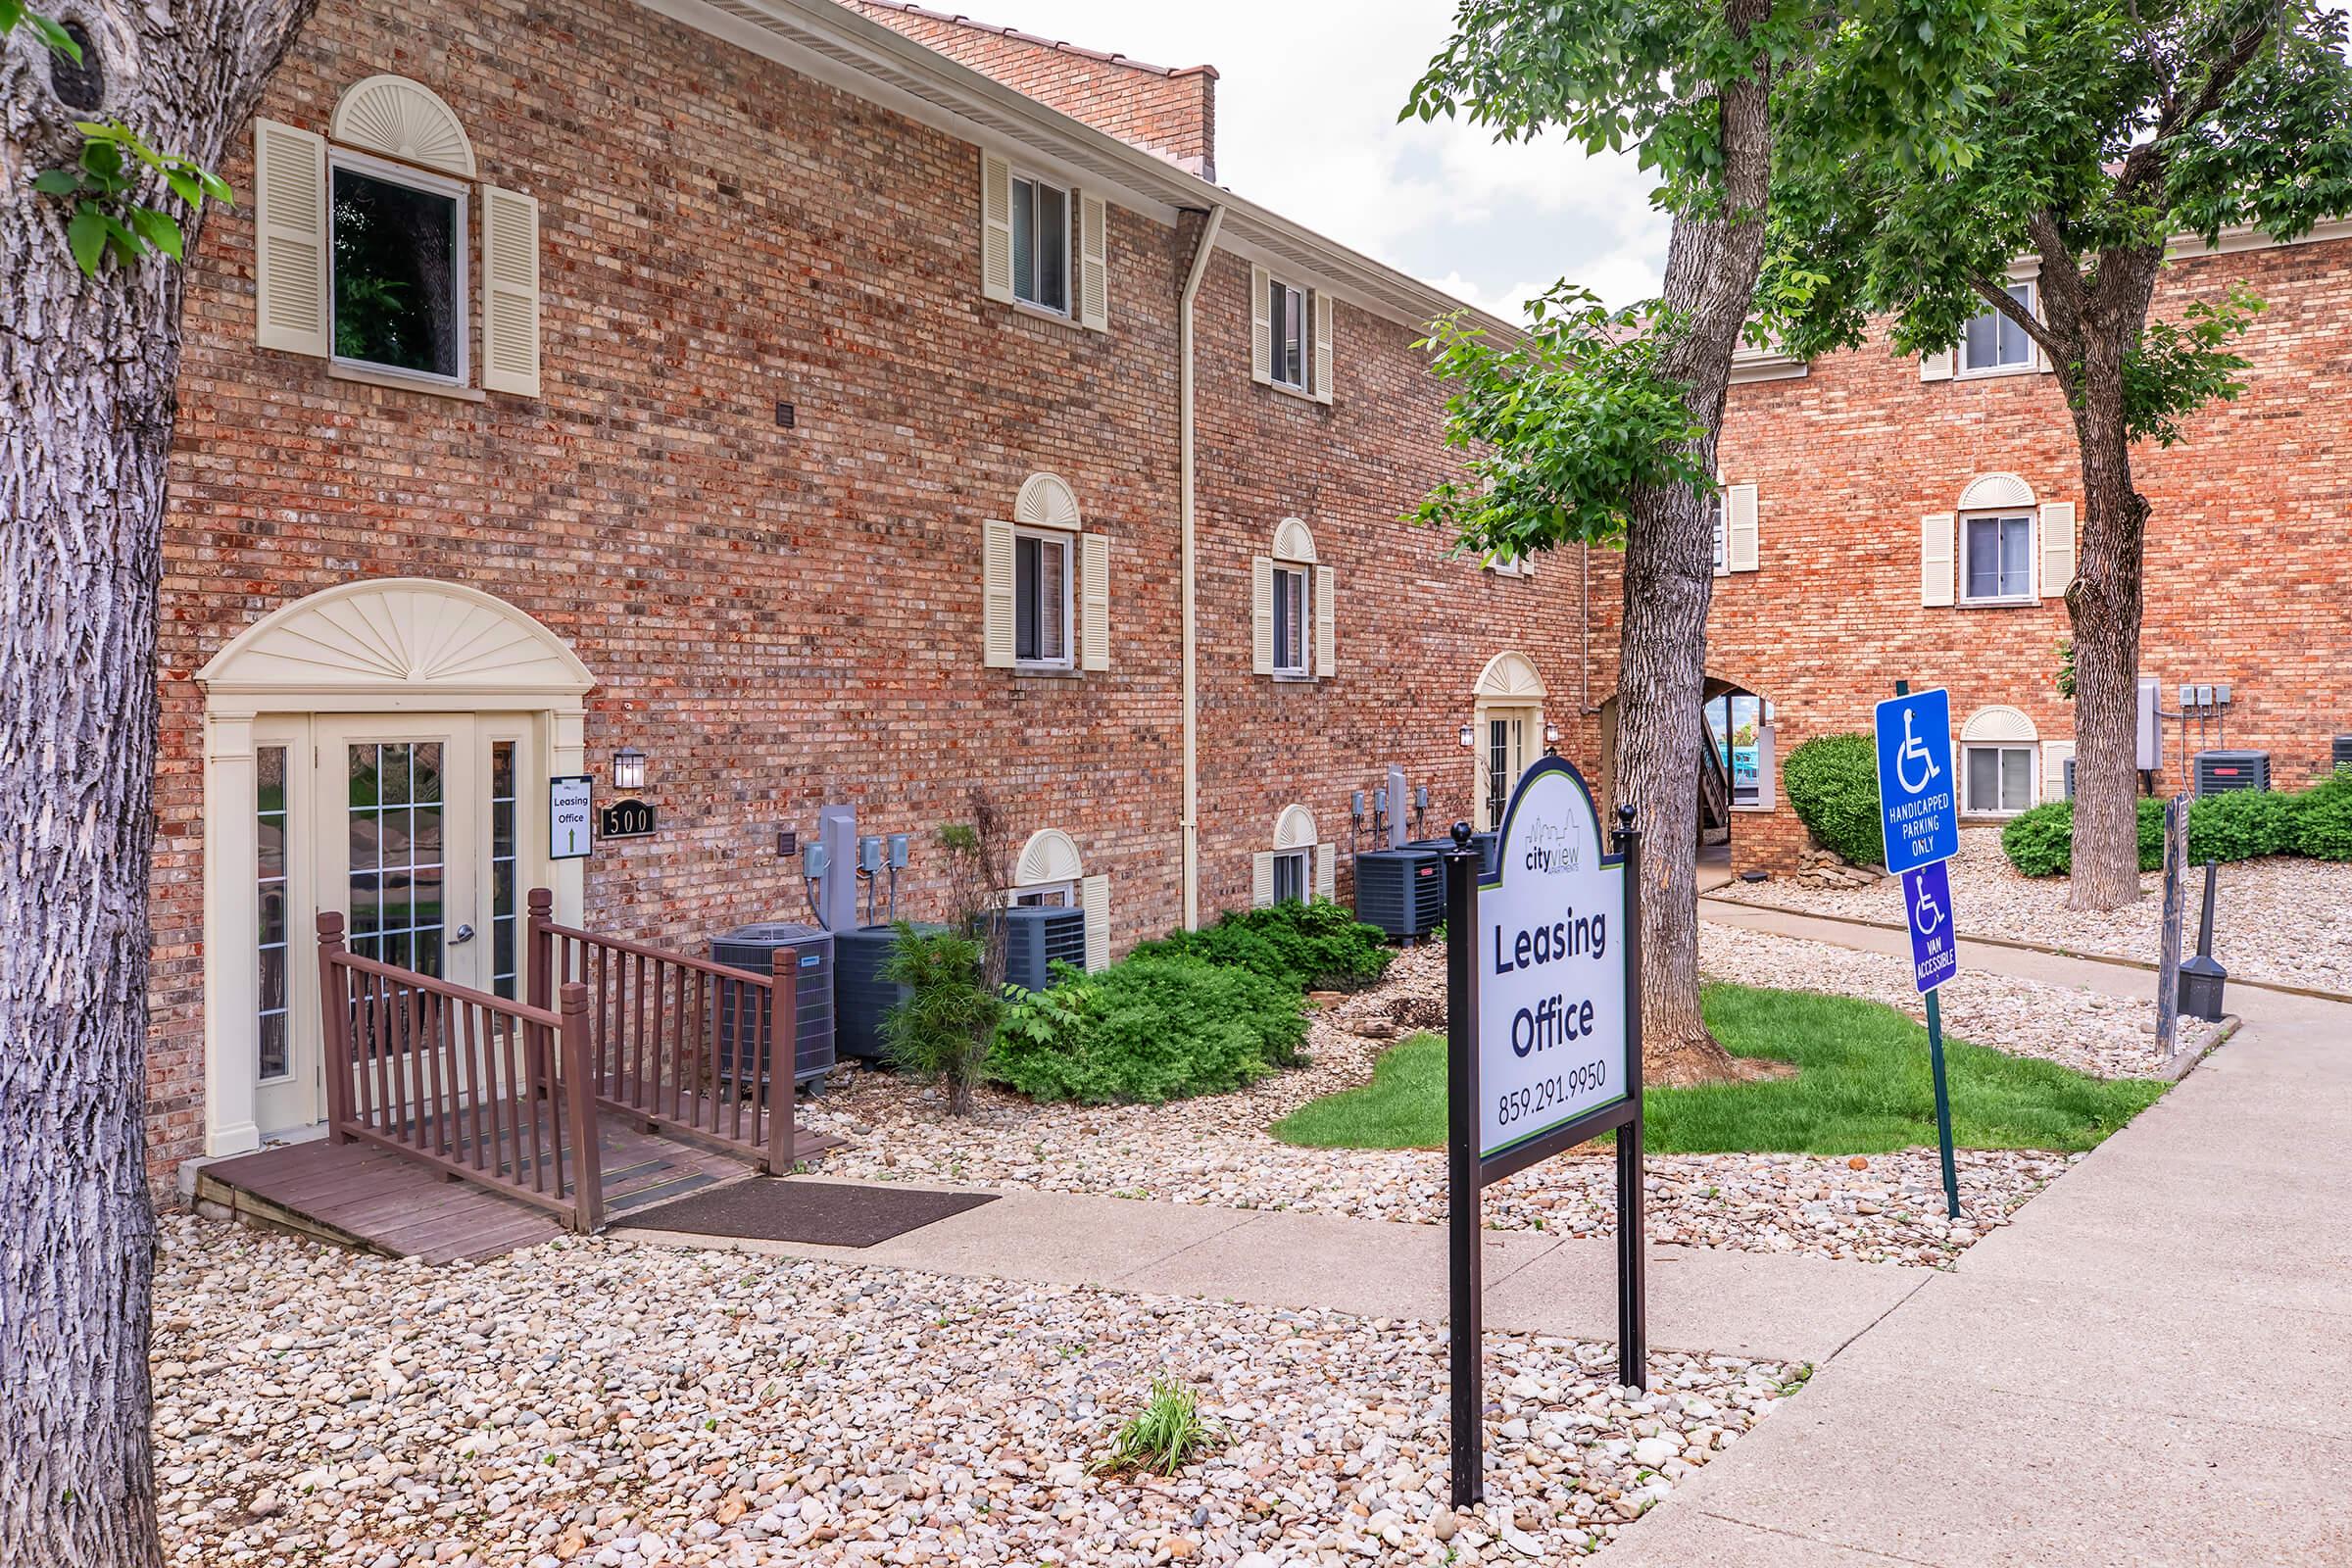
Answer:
x=2152 y=159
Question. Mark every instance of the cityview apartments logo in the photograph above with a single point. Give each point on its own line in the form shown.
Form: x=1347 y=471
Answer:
x=1556 y=849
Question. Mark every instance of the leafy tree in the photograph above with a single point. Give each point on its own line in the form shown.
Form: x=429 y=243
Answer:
x=2121 y=126
x=90 y=217
x=1600 y=427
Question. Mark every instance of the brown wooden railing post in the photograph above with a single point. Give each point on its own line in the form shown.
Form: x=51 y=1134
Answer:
x=579 y=1106
x=783 y=1057
x=540 y=956
x=335 y=1021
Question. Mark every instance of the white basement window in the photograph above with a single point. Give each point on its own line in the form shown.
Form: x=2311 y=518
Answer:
x=1994 y=342
x=1290 y=877
x=397 y=259
x=2000 y=779
x=1041 y=244
x=1041 y=599
x=1997 y=557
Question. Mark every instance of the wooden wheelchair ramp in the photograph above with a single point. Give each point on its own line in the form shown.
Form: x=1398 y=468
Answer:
x=455 y=1116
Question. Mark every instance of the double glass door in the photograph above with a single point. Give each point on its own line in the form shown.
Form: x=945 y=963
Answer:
x=411 y=827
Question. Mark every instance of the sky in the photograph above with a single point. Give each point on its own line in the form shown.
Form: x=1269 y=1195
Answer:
x=1308 y=96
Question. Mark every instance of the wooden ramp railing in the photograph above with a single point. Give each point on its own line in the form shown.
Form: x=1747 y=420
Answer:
x=486 y=1089
x=692 y=1049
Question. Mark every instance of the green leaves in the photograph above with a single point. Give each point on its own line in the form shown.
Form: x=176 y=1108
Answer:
x=1563 y=424
x=2179 y=367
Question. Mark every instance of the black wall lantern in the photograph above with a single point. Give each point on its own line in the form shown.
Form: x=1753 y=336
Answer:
x=628 y=770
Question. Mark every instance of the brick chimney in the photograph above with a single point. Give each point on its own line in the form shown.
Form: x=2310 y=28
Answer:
x=1172 y=113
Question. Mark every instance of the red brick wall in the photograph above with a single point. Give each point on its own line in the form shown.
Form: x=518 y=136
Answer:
x=787 y=618
x=1170 y=111
x=2246 y=581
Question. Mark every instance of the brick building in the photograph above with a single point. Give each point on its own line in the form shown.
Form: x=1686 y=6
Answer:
x=1885 y=518
x=827 y=404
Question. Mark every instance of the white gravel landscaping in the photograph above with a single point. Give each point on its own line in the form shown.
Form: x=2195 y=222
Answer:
x=1216 y=1149
x=605 y=1405
x=2281 y=918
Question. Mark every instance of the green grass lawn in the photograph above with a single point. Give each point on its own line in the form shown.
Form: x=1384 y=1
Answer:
x=1862 y=1087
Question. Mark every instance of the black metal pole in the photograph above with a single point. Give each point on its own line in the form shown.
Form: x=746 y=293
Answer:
x=1633 y=1304
x=1466 y=1341
x=2205 y=919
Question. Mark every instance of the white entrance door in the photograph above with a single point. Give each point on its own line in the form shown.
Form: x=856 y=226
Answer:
x=408 y=826
x=1508 y=751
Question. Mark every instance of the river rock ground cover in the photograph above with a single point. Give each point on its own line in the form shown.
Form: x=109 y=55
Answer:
x=2281 y=918
x=1216 y=1149
x=601 y=1405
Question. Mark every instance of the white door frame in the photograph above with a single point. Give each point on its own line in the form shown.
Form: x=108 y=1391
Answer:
x=1508 y=687
x=398 y=645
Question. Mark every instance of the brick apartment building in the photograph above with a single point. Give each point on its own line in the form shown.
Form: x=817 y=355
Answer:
x=1886 y=519
x=826 y=404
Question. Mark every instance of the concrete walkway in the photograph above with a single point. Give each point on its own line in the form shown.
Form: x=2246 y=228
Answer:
x=1771 y=1307
x=2152 y=1364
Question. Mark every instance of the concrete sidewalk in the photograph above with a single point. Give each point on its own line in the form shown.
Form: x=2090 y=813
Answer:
x=1769 y=1306
x=2151 y=1364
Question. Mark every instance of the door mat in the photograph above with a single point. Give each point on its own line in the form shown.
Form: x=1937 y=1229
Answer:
x=769 y=1208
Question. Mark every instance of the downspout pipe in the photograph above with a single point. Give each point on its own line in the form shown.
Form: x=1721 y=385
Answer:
x=1189 y=819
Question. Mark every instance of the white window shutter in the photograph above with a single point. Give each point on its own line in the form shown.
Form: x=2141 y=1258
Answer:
x=1936 y=367
x=1261 y=329
x=1739 y=530
x=995 y=592
x=289 y=182
x=510 y=292
x=2055 y=755
x=2057 y=548
x=1935 y=558
x=1261 y=880
x=1326 y=664
x=1322 y=315
x=1094 y=264
x=1093 y=602
x=1327 y=872
x=995 y=227
x=1093 y=897
x=1261 y=614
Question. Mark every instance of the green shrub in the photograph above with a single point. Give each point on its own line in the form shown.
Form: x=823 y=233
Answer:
x=1155 y=1026
x=2323 y=819
x=2243 y=823
x=943 y=1026
x=1833 y=784
x=1315 y=947
x=2040 y=842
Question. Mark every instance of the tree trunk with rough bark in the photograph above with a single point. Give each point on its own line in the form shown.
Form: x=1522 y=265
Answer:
x=88 y=367
x=1712 y=266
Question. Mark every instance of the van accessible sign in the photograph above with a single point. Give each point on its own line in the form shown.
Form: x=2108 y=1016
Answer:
x=1551 y=1026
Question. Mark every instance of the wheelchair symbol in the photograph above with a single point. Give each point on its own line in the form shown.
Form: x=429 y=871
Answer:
x=1914 y=750
x=1928 y=915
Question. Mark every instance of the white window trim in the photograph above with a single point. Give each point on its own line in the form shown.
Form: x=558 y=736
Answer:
x=1969 y=805
x=1304 y=572
x=1068 y=315
x=1067 y=541
x=391 y=173
x=2028 y=366
x=2032 y=595
x=1304 y=386
x=1068 y=891
x=1303 y=856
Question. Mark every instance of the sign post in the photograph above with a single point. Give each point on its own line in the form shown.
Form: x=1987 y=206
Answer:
x=2168 y=947
x=1544 y=1049
x=1919 y=800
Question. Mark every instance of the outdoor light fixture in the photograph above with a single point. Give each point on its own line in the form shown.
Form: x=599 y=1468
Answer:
x=1552 y=739
x=1467 y=735
x=629 y=769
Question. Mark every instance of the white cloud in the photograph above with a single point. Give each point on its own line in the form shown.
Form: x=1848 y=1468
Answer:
x=1307 y=98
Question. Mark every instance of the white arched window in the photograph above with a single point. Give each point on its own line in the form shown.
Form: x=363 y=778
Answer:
x=1292 y=613
x=364 y=254
x=1048 y=871
x=1998 y=547
x=1299 y=868
x=1046 y=584
x=1999 y=761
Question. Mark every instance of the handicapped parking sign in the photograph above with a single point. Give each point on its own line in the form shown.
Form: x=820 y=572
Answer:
x=1918 y=795
x=1927 y=910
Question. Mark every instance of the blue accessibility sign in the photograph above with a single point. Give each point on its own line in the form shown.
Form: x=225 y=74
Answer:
x=1917 y=792
x=1927 y=910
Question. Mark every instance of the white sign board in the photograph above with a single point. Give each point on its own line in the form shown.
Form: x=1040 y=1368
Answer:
x=571 y=817
x=1551 y=1002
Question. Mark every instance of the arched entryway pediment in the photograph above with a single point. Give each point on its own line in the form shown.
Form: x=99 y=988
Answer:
x=392 y=643
x=1510 y=677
